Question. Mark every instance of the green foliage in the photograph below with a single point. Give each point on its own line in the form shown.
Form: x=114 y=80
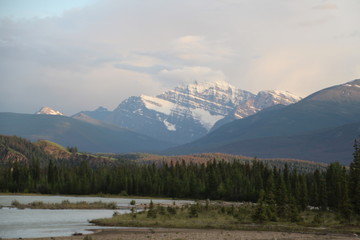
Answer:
x=194 y=211
x=237 y=216
x=15 y=203
x=171 y=210
x=261 y=212
x=293 y=214
x=280 y=193
x=72 y=149
x=318 y=219
x=152 y=212
x=354 y=179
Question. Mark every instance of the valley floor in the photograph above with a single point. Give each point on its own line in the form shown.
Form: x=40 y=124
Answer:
x=199 y=234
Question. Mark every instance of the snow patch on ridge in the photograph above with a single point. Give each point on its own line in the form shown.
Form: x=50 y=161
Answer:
x=284 y=94
x=157 y=104
x=203 y=86
x=169 y=126
x=206 y=119
x=351 y=85
x=166 y=107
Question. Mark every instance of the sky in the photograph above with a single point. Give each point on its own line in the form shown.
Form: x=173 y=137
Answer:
x=78 y=55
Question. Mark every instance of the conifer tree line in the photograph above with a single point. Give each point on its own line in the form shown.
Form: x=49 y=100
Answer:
x=337 y=188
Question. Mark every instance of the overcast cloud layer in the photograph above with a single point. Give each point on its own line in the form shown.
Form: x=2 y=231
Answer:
x=108 y=50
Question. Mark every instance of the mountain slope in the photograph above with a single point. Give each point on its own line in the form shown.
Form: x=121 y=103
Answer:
x=101 y=113
x=22 y=151
x=280 y=130
x=85 y=136
x=189 y=112
x=326 y=145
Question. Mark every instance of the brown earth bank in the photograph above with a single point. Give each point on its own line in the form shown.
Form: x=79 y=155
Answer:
x=198 y=234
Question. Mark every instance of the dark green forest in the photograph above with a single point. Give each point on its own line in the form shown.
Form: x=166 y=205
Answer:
x=337 y=188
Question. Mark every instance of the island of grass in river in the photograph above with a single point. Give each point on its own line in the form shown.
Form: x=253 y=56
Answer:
x=65 y=204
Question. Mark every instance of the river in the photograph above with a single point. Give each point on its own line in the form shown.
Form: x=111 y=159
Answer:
x=35 y=223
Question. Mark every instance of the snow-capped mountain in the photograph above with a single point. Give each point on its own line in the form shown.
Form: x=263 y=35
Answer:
x=48 y=111
x=189 y=111
x=321 y=127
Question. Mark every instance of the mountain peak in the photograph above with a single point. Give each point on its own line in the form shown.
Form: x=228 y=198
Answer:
x=48 y=111
x=200 y=87
x=347 y=92
x=101 y=109
x=189 y=111
x=270 y=98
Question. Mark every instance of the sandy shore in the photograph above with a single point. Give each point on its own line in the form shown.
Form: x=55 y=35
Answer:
x=199 y=234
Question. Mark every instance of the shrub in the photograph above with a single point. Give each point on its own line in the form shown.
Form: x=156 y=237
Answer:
x=194 y=211
x=171 y=210
x=87 y=237
x=152 y=213
x=123 y=193
x=15 y=203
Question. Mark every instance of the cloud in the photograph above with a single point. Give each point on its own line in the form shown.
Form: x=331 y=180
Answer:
x=139 y=60
x=199 y=49
x=326 y=6
x=102 y=53
x=303 y=70
x=150 y=70
x=190 y=75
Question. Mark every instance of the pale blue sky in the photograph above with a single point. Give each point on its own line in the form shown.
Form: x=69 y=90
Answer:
x=20 y=9
x=75 y=55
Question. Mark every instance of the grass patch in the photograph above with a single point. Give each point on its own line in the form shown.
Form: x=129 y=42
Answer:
x=216 y=216
x=65 y=205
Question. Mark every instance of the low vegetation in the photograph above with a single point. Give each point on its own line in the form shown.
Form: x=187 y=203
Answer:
x=65 y=205
x=236 y=216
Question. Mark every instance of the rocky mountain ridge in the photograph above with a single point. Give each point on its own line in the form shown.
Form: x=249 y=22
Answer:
x=189 y=112
x=321 y=127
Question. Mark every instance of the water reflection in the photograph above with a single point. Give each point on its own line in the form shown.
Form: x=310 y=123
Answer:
x=34 y=223
x=15 y=223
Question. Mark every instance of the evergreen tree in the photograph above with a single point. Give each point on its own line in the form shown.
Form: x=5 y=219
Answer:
x=281 y=197
x=152 y=212
x=345 y=206
x=270 y=197
x=354 y=179
x=303 y=198
x=260 y=214
x=334 y=176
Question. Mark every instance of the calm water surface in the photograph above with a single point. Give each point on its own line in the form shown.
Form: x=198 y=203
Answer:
x=26 y=223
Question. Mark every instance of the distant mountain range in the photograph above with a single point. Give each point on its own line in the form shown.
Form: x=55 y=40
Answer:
x=86 y=134
x=189 y=112
x=215 y=117
x=321 y=127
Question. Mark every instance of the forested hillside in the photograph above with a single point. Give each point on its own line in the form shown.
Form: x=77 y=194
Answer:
x=20 y=151
x=335 y=187
x=204 y=158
